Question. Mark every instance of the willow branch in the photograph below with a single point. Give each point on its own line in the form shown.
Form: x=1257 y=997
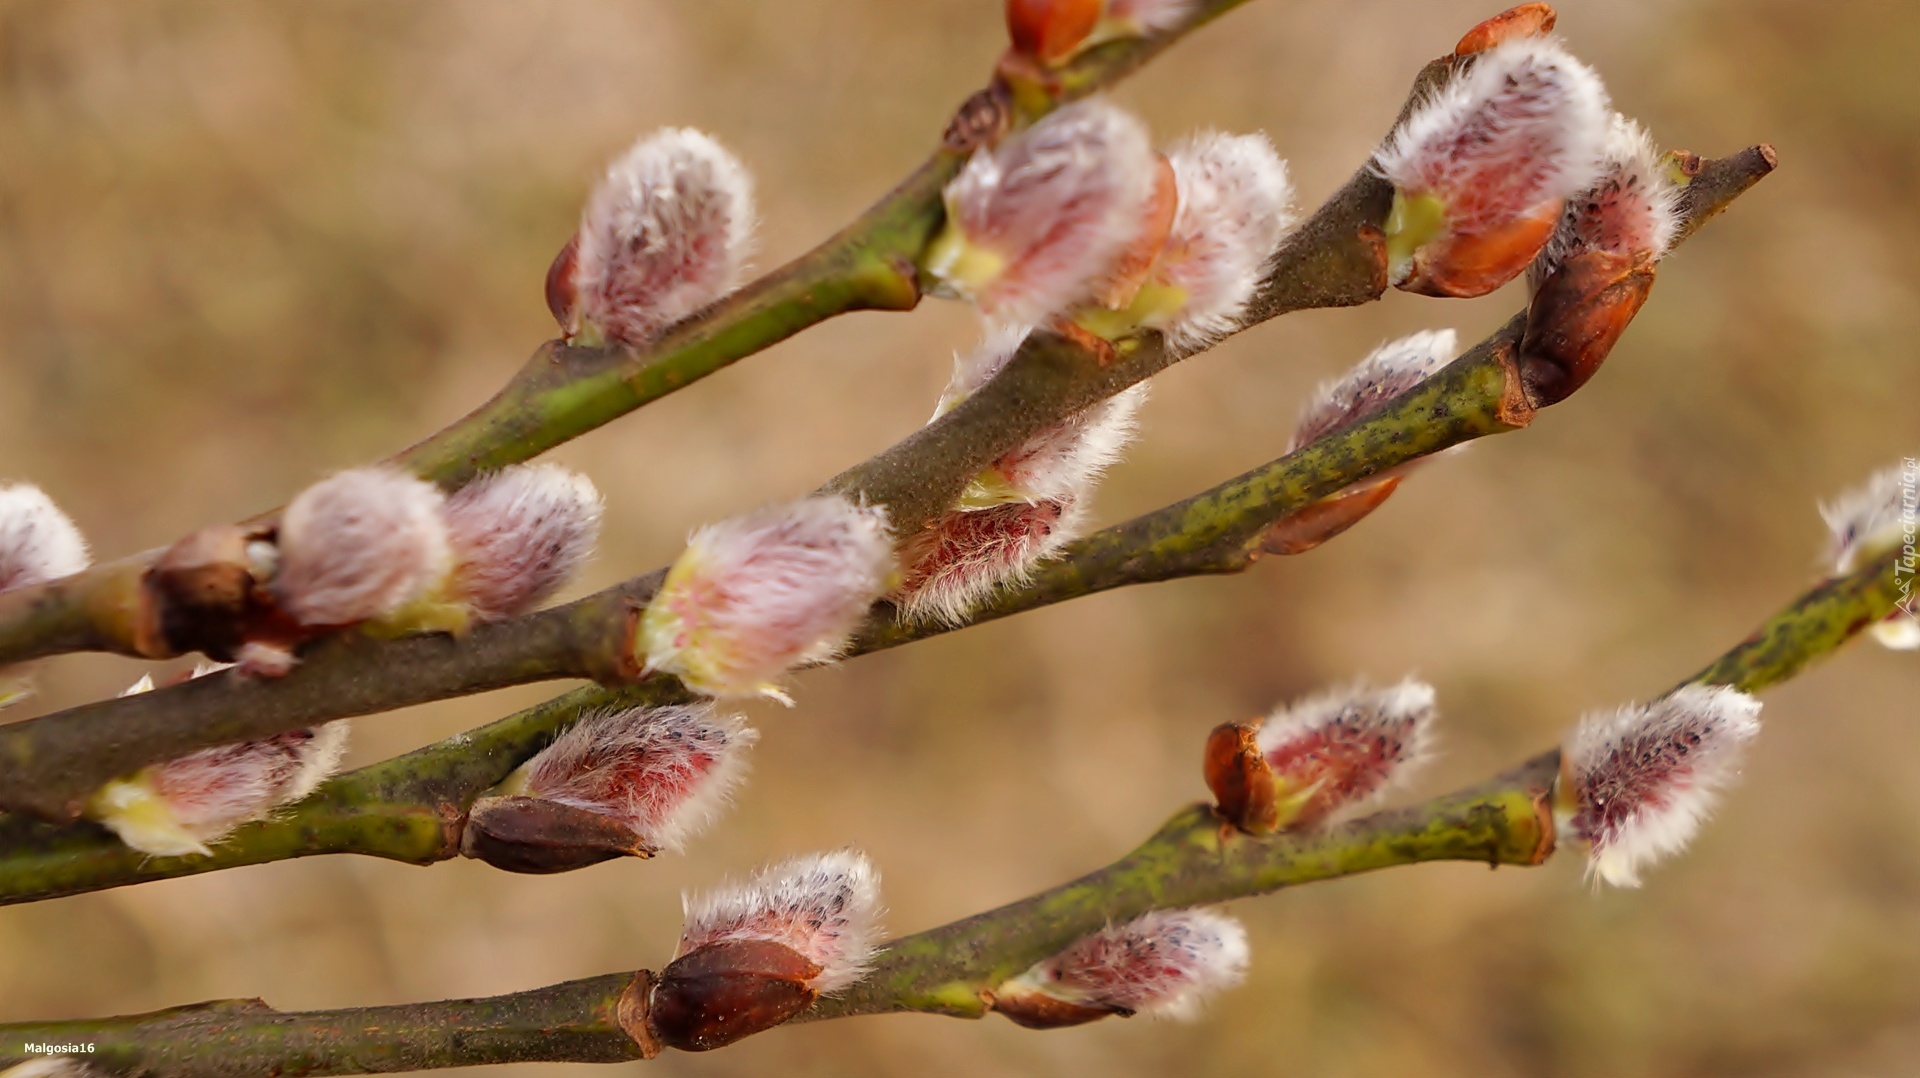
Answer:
x=49 y=765
x=564 y=390
x=1192 y=860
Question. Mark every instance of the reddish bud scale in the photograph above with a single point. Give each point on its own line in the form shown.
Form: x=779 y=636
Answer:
x=1306 y=529
x=1525 y=20
x=1319 y=758
x=722 y=992
x=1051 y=30
x=1577 y=317
x=1156 y=222
x=530 y=835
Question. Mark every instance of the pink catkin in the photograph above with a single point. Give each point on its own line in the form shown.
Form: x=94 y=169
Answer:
x=664 y=772
x=1057 y=204
x=360 y=544
x=966 y=555
x=1162 y=964
x=825 y=907
x=666 y=232
x=215 y=789
x=1638 y=782
x=1523 y=125
x=1349 y=746
x=518 y=535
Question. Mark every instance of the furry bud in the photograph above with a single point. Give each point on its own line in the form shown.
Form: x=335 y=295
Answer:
x=1870 y=520
x=666 y=232
x=1635 y=784
x=1632 y=209
x=1388 y=371
x=360 y=545
x=662 y=774
x=966 y=555
x=753 y=955
x=1232 y=196
x=757 y=595
x=38 y=542
x=1059 y=464
x=1321 y=758
x=517 y=535
x=184 y=805
x=1036 y=224
x=1483 y=167
x=1162 y=964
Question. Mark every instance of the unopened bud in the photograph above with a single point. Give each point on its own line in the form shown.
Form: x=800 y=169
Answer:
x=1635 y=784
x=517 y=536
x=1162 y=964
x=755 y=596
x=1867 y=522
x=38 y=542
x=360 y=545
x=966 y=555
x=1483 y=167
x=184 y=805
x=1577 y=317
x=753 y=955
x=1321 y=758
x=1526 y=20
x=666 y=232
x=660 y=774
x=1036 y=224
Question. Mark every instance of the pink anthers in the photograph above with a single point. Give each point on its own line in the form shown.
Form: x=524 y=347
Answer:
x=1233 y=208
x=1321 y=758
x=1037 y=223
x=1162 y=964
x=1635 y=784
x=360 y=545
x=184 y=805
x=757 y=595
x=664 y=773
x=517 y=535
x=1388 y=371
x=1871 y=520
x=1483 y=167
x=824 y=907
x=666 y=232
x=1633 y=209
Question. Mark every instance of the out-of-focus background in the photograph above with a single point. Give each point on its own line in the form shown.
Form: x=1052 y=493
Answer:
x=243 y=244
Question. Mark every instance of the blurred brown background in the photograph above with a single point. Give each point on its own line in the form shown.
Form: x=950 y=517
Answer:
x=244 y=244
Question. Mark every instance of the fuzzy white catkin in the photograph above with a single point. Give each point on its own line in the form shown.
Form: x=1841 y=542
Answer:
x=823 y=906
x=1050 y=210
x=518 y=535
x=666 y=773
x=38 y=542
x=1163 y=964
x=361 y=544
x=1646 y=776
x=1234 y=207
x=666 y=232
x=1525 y=123
x=1633 y=208
x=1388 y=371
x=754 y=596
